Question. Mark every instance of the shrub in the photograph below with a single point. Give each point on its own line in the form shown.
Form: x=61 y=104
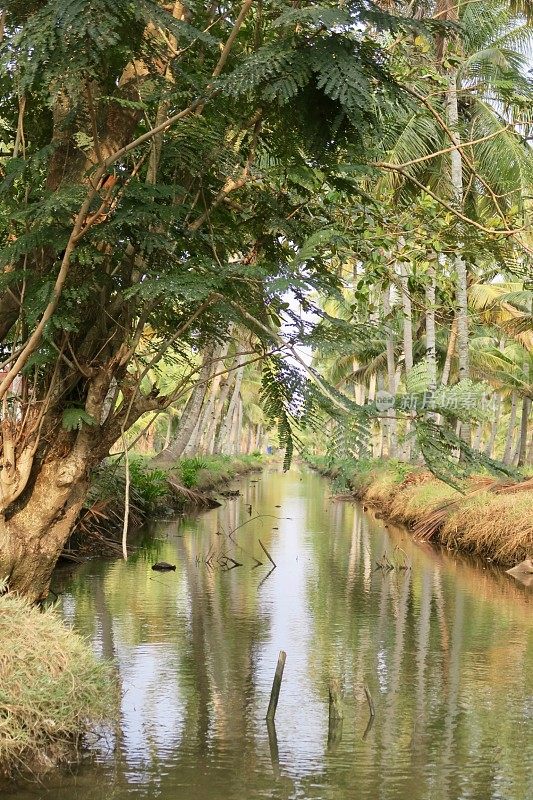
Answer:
x=189 y=469
x=53 y=688
x=150 y=484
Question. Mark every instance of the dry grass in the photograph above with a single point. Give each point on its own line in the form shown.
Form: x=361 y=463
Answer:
x=382 y=489
x=496 y=525
x=414 y=499
x=52 y=687
x=493 y=519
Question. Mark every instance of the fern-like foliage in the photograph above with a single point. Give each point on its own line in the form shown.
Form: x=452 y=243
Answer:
x=282 y=400
x=350 y=437
x=74 y=418
x=62 y=39
x=439 y=444
x=342 y=67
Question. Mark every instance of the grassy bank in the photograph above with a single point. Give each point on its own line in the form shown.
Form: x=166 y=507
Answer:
x=52 y=688
x=188 y=484
x=489 y=518
x=204 y=473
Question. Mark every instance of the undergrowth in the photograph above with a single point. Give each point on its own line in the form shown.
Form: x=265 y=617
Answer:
x=205 y=472
x=152 y=491
x=53 y=689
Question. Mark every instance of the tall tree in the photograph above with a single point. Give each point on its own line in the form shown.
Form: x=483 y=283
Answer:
x=134 y=205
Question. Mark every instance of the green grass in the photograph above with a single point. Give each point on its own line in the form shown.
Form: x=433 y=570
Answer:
x=152 y=490
x=492 y=523
x=52 y=688
x=356 y=475
x=206 y=472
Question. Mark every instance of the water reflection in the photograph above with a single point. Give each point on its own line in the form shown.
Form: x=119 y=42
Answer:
x=445 y=648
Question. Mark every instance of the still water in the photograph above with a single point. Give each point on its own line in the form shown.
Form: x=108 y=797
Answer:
x=445 y=648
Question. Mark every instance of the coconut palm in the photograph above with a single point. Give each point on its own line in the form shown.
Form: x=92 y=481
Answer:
x=486 y=88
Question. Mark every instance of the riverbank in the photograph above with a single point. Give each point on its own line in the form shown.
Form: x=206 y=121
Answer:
x=491 y=519
x=53 y=689
x=189 y=484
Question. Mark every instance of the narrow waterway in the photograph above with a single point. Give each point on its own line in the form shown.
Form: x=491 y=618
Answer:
x=445 y=648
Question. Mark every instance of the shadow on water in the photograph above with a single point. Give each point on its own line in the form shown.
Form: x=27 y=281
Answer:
x=445 y=649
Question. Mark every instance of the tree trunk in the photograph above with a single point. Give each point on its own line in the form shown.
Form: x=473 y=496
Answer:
x=258 y=438
x=178 y=12
x=477 y=438
x=494 y=427
x=248 y=448
x=407 y=345
x=522 y=447
x=190 y=414
x=391 y=376
x=207 y=415
x=31 y=539
x=372 y=389
x=452 y=341
x=236 y=429
x=168 y=435
x=192 y=445
x=431 y=347
x=239 y=448
x=508 y=452
x=223 y=439
x=530 y=452
x=226 y=447
x=452 y=111
x=42 y=492
x=211 y=433
x=359 y=387
x=407 y=320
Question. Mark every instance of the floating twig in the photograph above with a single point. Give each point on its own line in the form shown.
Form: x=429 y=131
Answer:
x=253 y=519
x=369 y=701
x=267 y=554
x=368 y=728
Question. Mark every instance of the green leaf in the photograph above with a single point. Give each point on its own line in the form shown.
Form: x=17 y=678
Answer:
x=75 y=417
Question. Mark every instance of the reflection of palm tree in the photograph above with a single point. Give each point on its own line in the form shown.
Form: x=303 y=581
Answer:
x=452 y=688
x=224 y=663
x=104 y=619
x=390 y=723
x=424 y=629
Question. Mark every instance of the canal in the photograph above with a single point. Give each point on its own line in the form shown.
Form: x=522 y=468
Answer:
x=444 y=646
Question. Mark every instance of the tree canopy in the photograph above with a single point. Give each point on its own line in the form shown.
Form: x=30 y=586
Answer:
x=173 y=172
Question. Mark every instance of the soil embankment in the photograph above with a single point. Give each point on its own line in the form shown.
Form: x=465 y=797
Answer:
x=188 y=485
x=489 y=518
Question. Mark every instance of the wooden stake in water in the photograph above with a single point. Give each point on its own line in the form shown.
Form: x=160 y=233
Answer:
x=276 y=685
x=336 y=714
x=273 y=745
x=335 y=700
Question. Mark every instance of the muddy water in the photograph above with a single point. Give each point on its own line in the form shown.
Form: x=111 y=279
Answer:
x=445 y=648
